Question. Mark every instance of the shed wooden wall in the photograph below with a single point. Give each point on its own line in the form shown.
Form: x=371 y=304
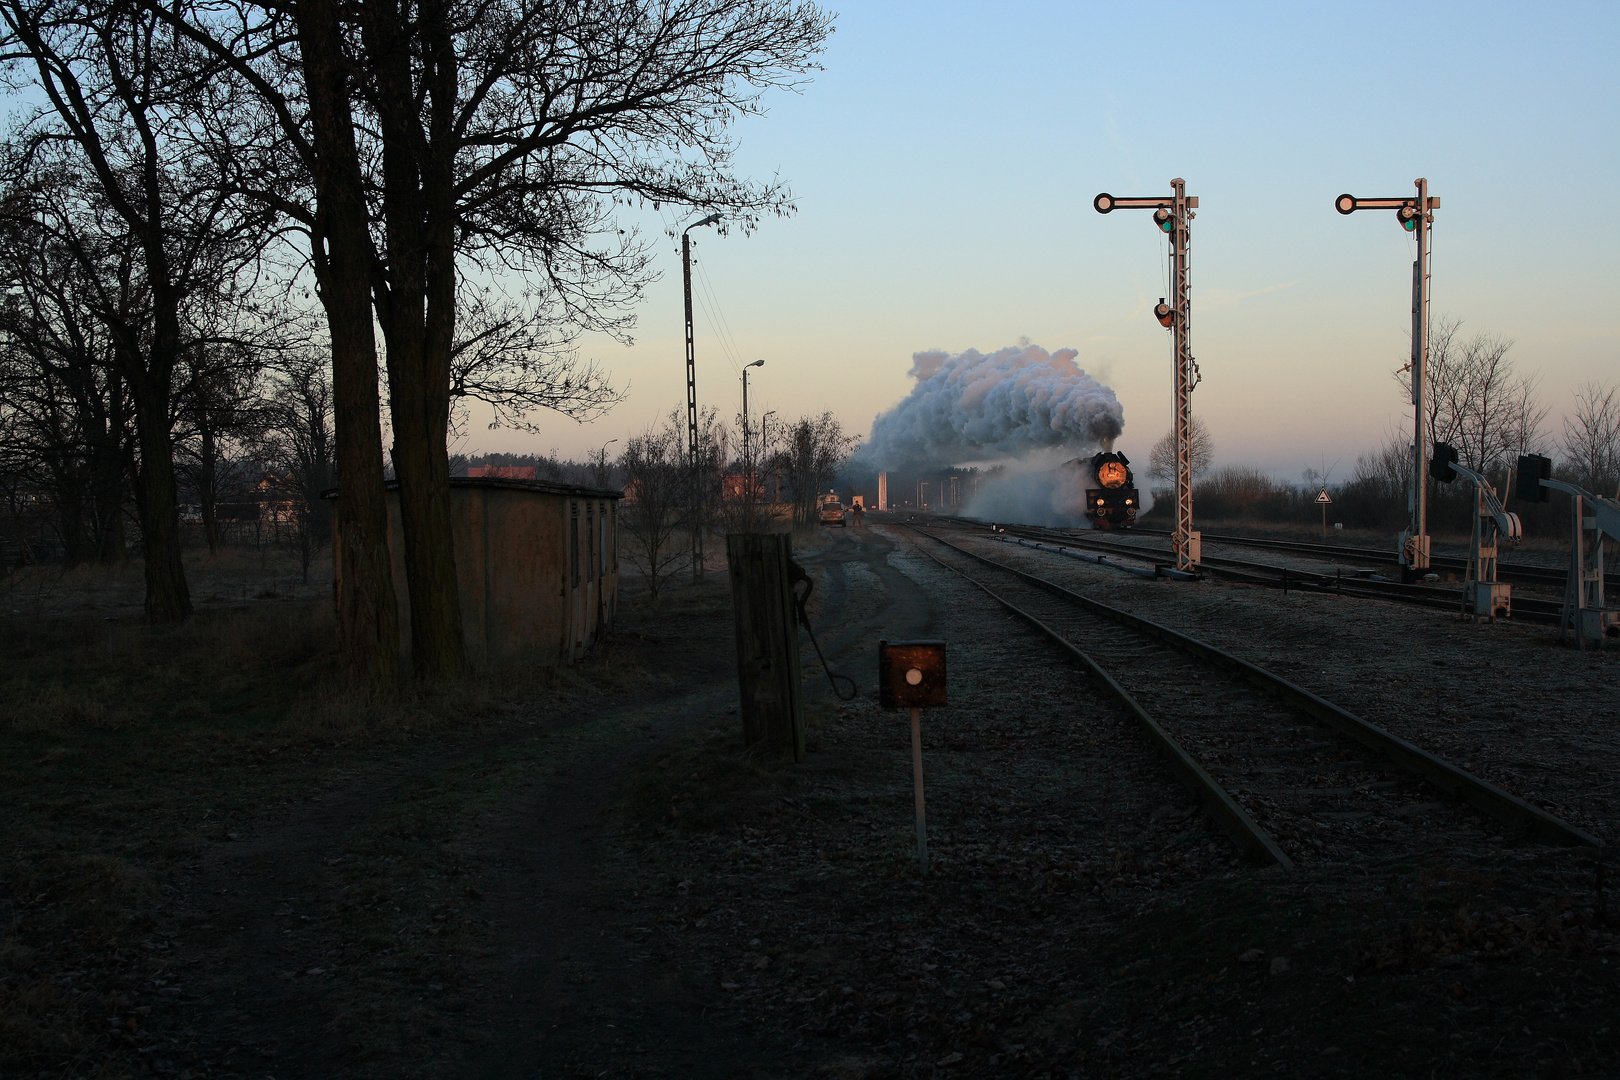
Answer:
x=537 y=571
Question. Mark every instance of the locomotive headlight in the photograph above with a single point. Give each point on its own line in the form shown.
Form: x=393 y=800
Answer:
x=1112 y=474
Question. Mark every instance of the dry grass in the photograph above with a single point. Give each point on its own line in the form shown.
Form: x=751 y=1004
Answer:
x=125 y=750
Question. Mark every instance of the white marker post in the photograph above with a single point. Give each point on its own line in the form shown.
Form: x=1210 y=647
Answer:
x=911 y=675
x=916 y=772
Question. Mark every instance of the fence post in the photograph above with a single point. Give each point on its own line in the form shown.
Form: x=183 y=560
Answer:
x=768 y=676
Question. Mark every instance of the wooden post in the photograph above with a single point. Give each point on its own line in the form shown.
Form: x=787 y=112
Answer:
x=916 y=773
x=768 y=676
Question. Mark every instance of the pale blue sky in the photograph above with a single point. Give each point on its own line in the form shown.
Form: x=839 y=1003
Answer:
x=945 y=162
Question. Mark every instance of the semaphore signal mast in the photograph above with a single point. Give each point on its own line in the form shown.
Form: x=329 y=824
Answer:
x=1415 y=215
x=1174 y=215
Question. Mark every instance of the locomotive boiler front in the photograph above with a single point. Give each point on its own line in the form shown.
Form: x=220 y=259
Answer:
x=1113 y=501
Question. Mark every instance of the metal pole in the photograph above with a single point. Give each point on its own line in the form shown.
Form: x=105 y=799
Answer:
x=916 y=770
x=747 y=461
x=696 y=495
x=1185 y=541
x=1418 y=556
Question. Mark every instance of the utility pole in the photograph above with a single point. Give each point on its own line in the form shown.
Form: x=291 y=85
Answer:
x=697 y=495
x=756 y=363
x=748 y=461
x=1174 y=216
x=1415 y=215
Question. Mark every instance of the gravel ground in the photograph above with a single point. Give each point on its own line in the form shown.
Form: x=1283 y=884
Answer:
x=1082 y=917
x=1502 y=699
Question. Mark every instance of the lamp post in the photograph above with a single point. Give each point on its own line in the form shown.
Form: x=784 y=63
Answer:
x=601 y=464
x=756 y=363
x=748 y=480
x=691 y=397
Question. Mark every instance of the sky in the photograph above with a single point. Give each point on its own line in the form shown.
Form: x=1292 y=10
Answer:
x=945 y=160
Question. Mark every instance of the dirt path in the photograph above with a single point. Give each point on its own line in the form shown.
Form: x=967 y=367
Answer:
x=579 y=992
x=444 y=911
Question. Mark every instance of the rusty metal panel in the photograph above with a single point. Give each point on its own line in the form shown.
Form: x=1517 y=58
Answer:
x=911 y=674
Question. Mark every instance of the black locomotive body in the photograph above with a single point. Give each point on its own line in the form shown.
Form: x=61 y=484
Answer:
x=1113 y=501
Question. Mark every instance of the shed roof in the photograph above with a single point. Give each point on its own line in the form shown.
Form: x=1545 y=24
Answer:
x=545 y=487
x=542 y=487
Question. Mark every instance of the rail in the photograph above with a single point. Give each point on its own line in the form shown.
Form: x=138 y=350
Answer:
x=1481 y=794
x=1525 y=608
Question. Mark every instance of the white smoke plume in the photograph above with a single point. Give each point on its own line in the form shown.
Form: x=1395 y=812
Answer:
x=1012 y=403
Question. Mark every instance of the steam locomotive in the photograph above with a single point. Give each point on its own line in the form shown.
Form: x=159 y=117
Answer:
x=1113 y=503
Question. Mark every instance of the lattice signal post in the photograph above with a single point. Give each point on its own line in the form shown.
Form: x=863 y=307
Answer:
x=1174 y=216
x=697 y=491
x=1415 y=215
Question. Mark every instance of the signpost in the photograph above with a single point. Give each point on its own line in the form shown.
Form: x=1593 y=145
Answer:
x=1324 y=498
x=911 y=675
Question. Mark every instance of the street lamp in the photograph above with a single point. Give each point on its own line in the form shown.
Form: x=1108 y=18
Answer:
x=601 y=464
x=691 y=392
x=756 y=363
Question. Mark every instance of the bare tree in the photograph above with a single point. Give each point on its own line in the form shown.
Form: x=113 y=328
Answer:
x=813 y=449
x=1591 y=442
x=1162 y=458
x=220 y=414
x=505 y=133
x=298 y=447
x=743 y=494
x=64 y=407
x=108 y=166
x=516 y=358
x=655 y=474
x=1386 y=471
x=1476 y=399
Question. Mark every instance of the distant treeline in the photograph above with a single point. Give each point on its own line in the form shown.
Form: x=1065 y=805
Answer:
x=1371 y=499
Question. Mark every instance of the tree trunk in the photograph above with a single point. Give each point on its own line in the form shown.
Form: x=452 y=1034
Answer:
x=107 y=477
x=416 y=307
x=208 y=453
x=167 y=598
x=367 y=611
x=70 y=508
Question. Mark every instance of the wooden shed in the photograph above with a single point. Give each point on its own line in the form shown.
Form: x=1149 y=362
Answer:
x=537 y=564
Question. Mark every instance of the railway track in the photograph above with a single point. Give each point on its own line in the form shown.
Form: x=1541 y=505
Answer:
x=1525 y=608
x=1293 y=777
x=1516 y=573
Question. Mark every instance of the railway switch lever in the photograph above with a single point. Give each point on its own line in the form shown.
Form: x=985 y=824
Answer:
x=1483 y=596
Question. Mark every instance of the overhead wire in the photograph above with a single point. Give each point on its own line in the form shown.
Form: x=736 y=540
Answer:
x=721 y=326
x=703 y=305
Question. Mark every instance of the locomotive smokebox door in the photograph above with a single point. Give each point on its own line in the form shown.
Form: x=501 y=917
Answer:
x=911 y=674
